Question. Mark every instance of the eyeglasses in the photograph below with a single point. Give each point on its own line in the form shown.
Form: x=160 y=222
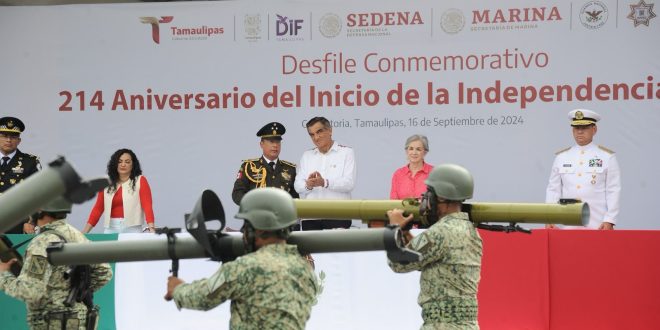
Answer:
x=9 y=137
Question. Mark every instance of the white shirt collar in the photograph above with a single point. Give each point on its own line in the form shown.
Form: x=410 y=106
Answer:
x=334 y=147
x=268 y=160
x=11 y=155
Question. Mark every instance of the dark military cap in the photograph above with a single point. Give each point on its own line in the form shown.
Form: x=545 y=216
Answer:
x=11 y=125
x=272 y=131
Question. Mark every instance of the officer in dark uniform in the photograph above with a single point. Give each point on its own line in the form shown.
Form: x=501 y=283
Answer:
x=15 y=165
x=267 y=170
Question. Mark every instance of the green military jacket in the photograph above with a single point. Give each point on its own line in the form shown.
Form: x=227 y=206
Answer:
x=256 y=173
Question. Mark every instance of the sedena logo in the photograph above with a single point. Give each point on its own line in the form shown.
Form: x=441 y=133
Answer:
x=154 y=21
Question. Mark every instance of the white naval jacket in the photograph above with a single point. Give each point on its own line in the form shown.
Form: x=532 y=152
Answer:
x=591 y=174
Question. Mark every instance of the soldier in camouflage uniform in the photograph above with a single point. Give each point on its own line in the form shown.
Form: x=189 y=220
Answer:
x=15 y=165
x=267 y=170
x=42 y=286
x=272 y=287
x=451 y=253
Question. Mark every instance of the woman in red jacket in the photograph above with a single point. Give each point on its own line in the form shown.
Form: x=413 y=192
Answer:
x=126 y=204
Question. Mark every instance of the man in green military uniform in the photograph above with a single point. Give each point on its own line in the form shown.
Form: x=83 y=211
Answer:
x=44 y=288
x=451 y=252
x=271 y=287
x=15 y=165
x=267 y=170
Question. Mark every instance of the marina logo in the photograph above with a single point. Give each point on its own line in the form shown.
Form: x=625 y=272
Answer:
x=513 y=18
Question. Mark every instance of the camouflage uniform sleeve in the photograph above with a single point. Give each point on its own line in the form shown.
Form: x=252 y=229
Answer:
x=101 y=275
x=206 y=294
x=31 y=283
x=429 y=244
x=241 y=185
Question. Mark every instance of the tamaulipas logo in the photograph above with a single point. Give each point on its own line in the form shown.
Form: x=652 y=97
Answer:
x=155 y=21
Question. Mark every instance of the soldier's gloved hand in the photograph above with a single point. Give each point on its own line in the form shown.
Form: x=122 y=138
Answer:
x=5 y=266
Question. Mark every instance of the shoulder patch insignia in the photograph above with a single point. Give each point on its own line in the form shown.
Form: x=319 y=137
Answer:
x=287 y=163
x=37 y=267
x=562 y=150
x=609 y=151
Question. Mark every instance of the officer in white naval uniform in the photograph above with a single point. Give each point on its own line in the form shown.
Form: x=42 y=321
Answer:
x=587 y=172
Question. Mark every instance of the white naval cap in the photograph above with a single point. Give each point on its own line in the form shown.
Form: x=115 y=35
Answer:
x=583 y=117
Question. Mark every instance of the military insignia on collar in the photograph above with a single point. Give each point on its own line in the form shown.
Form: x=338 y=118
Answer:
x=595 y=162
x=286 y=176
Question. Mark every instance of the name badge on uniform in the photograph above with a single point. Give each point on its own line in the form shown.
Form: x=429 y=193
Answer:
x=567 y=165
x=596 y=162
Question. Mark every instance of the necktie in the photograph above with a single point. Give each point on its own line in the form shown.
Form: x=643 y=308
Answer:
x=5 y=161
x=272 y=165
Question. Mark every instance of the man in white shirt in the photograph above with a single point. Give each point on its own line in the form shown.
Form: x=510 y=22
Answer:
x=325 y=172
x=587 y=172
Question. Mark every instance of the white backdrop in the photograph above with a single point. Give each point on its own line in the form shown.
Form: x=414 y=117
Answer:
x=48 y=53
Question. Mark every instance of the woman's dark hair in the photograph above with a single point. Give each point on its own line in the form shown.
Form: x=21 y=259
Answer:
x=112 y=169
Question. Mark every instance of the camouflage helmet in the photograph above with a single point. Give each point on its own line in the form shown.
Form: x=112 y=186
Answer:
x=58 y=205
x=268 y=209
x=451 y=182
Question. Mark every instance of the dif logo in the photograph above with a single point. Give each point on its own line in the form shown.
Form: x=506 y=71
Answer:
x=285 y=26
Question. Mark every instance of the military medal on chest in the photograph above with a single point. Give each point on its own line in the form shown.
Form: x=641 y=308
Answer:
x=285 y=175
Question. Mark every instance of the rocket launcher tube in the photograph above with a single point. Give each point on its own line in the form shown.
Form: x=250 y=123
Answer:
x=380 y=239
x=575 y=214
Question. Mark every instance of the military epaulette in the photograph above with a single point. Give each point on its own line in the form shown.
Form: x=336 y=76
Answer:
x=562 y=150
x=30 y=156
x=609 y=151
x=251 y=160
x=287 y=163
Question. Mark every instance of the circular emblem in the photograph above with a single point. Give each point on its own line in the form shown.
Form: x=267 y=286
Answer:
x=452 y=21
x=330 y=25
x=579 y=115
x=593 y=14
